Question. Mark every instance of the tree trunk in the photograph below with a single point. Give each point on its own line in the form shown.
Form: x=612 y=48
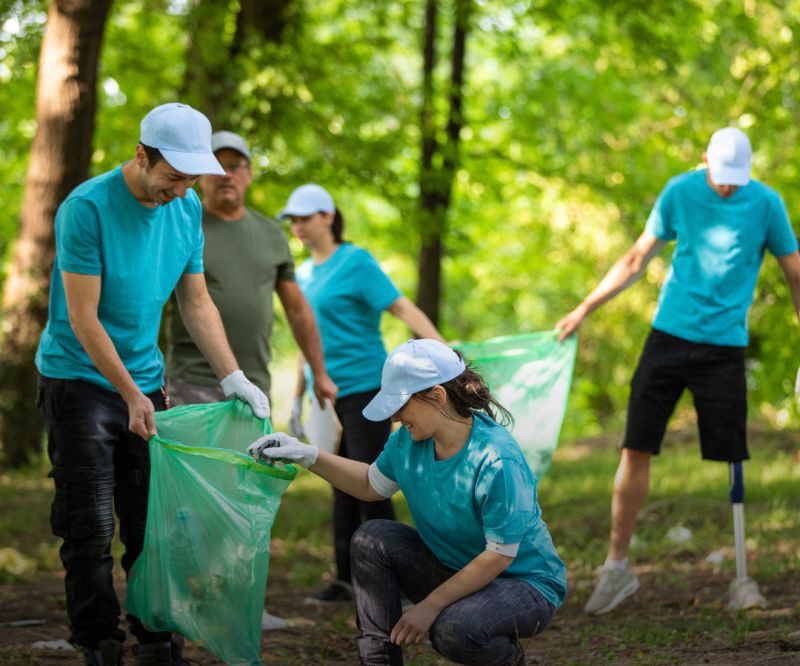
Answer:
x=60 y=156
x=438 y=164
x=266 y=18
x=428 y=284
x=212 y=73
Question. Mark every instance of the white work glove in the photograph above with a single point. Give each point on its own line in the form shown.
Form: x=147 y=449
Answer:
x=296 y=419
x=283 y=447
x=236 y=385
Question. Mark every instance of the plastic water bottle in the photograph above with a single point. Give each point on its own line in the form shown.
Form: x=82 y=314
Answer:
x=184 y=544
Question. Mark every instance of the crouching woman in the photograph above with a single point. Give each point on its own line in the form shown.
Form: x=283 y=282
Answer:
x=480 y=565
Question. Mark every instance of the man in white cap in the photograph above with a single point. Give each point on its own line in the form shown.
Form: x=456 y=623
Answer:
x=722 y=221
x=124 y=240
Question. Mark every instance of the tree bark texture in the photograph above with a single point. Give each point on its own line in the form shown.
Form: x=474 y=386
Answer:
x=60 y=156
x=439 y=160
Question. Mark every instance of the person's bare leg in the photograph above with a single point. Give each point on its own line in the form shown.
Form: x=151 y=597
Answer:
x=616 y=581
x=631 y=484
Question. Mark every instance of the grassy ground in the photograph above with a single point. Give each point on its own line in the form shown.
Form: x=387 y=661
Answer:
x=678 y=617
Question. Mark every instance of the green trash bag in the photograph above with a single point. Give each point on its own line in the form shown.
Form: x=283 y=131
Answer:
x=530 y=376
x=203 y=569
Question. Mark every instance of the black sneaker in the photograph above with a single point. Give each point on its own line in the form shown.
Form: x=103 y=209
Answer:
x=162 y=654
x=107 y=653
x=153 y=654
x=176 y=652
x=337 y=591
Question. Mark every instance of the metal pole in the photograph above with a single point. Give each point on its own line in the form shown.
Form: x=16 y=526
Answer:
x=737 y=500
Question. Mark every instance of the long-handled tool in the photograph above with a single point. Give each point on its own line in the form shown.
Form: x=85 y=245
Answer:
x=744 y=590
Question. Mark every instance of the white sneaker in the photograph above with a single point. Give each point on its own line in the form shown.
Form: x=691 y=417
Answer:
x=613 y=585
x=745 y=594
x=270 y=622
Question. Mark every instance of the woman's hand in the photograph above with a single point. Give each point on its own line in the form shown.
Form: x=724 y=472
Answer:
x=283 y=447
x=413 y=626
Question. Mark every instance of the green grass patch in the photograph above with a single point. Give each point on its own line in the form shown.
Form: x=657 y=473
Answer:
x=685 y=491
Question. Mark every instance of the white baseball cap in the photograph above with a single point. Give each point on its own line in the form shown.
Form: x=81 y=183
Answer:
x=183 y=136
x=729 y=157
x=224 y=139
x=414 y=366
x=307 y=200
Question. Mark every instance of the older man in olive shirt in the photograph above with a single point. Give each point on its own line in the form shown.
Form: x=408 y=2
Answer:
x=246 y=257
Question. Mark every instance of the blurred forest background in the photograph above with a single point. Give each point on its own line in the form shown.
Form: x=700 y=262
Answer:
x=495 y=155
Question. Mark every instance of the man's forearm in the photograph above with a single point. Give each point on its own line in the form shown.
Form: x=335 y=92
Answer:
x=629 y=268
x=619 y=277
x=101 y=350
x=204 y=324
x=304 y=329
x=790 y=264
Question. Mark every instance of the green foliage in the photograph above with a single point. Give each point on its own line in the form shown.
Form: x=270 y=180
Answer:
x=576 y=114
x=21 y=28
x=142 y=65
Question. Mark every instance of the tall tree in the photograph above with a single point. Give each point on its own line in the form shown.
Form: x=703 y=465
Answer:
x=217 y=38
x=439 y=158
x=60 y=157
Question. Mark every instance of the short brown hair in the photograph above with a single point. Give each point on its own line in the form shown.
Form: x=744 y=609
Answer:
x=154 y=155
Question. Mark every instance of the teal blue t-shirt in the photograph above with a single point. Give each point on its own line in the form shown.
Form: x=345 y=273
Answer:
x=486 y=492
x=719 y=250
x=140 y=254
x=348 y=292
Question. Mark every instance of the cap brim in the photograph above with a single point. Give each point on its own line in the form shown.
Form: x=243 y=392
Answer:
x=383 y=406
x=227 y=146
x=194 y=164
x=723 y=175
x=299 y=212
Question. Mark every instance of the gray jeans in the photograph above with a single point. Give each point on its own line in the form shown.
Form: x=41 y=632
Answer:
x=389 y=558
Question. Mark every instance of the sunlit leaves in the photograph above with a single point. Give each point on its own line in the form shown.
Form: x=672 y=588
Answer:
x=577 y=113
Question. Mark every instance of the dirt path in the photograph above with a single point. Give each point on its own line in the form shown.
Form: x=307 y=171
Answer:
x=692 y=612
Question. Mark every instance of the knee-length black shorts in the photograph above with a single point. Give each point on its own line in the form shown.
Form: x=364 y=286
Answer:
x=714 y=374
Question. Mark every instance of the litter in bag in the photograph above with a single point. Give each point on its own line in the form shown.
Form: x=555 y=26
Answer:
x=203 y=569
x=530 y=376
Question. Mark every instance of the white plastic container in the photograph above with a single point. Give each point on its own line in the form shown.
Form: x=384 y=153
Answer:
x=322 y=428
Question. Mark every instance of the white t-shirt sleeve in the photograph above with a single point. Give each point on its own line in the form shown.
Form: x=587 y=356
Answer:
x=381 y=483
